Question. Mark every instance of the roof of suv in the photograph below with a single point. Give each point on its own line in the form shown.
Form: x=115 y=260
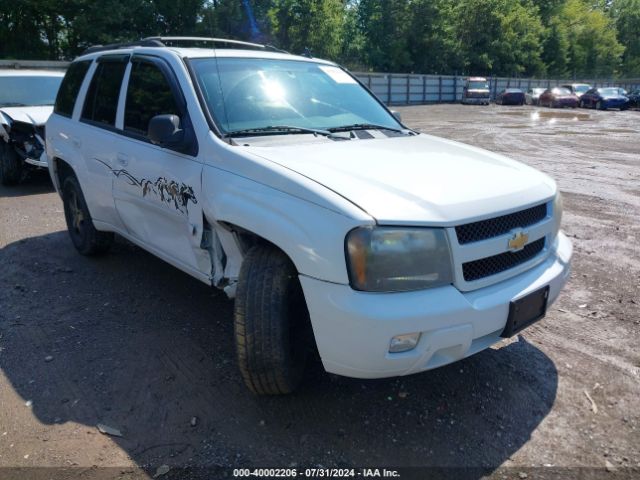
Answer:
x=208 y=53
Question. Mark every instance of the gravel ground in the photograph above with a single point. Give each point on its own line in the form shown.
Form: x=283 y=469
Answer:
x=128 y=341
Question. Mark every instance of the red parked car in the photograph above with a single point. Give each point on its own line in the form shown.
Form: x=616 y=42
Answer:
x=558 y=97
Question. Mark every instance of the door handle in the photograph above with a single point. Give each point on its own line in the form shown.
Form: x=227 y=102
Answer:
x=123 y=159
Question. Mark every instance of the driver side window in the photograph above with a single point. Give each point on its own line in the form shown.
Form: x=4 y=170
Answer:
x=149 y=94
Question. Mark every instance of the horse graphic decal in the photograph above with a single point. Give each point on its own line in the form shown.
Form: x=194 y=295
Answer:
x=167 y=191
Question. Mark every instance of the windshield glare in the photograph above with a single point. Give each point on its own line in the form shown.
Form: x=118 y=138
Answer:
x=248 y=93
x=610 y=92
x=28 y=90
x=478 y=86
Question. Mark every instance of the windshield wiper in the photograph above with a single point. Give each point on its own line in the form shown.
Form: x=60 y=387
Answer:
x=276 y=129
x=366 y=126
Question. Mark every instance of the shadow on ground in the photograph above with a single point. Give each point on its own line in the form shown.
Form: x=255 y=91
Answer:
x=37 y=182
x=145 y=348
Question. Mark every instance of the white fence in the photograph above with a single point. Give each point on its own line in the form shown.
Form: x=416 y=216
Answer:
x=413 y=89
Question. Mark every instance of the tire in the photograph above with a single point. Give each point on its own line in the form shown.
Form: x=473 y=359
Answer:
x=11 y=167
x=271 y=323
x=87 y=240
x=599 y=105
x=581 y=104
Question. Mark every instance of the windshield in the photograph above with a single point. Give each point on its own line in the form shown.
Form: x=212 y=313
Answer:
x=254 y=93
x=538 y=91
x=28 y=91
x=478 y=86
x=560 y=91
x=581 y=88
x=610 y=92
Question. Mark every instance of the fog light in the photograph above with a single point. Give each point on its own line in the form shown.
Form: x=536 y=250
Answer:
x=403 y=343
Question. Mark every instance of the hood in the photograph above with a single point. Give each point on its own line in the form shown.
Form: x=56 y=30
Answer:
x=417 y=180
x=34 y=115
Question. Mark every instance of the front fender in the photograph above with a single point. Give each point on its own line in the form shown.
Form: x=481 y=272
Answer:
x=311 y=235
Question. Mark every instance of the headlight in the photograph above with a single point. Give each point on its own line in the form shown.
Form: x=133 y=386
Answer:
x=557 y=213
x=389 y=259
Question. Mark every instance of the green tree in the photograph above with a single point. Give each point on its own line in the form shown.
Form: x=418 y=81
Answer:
x=431 y=37
x=384 y=26
x=555 y=53
x=627 y=17
x=501 y=37
x=314 y=24
x=593 y=46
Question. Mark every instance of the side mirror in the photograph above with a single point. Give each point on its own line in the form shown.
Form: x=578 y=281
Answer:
x=397 y=115
x=165 y=131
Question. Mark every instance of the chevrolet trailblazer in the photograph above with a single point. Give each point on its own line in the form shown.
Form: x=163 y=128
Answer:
x=282 y=180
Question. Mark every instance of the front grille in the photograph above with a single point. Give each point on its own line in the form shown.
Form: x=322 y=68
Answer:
x=485 y=267
x=476 y=231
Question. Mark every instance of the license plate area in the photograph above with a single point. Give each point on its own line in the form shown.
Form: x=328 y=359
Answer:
x=526 y=311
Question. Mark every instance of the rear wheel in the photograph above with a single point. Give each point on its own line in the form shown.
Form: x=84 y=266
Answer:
x=11 y=167
x=271 y=322
x=85 y=237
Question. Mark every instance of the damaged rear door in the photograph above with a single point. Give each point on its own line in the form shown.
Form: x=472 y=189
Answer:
x=157 y=190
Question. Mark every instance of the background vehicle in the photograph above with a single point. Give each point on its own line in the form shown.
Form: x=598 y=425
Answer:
x=26 y=101
x=577 y=89
x=604 y=98
x=476 y=91
x=510 y=96
x=532 y=95
x=634 y=98
x=283 y=181
x=558 y=97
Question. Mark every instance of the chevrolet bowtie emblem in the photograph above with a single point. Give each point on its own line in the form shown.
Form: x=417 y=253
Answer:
x=518 y=241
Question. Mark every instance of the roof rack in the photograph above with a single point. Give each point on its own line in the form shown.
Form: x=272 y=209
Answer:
x=185 y=42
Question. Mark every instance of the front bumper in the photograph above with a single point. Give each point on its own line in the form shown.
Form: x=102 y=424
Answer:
x=42 y=162
x=353 y=329
x=476 y=100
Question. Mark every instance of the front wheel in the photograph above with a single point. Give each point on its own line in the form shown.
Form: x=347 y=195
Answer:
x=271 y=323
x=85 y=237
x=11 y=167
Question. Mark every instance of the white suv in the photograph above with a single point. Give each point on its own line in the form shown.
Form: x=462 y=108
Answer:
x=284 y=181
x=26 y=101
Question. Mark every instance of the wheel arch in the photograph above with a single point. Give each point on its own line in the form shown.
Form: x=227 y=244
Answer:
x=59 y=170
x=312 y=237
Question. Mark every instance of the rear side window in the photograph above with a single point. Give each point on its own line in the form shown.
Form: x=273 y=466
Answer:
x=149 y=94
x=66 y=98
x=101 y=103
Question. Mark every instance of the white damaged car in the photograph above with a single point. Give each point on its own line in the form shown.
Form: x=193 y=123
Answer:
x=282 y=180
x=26 y=101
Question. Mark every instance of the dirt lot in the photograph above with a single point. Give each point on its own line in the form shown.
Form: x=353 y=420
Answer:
x=118 y=341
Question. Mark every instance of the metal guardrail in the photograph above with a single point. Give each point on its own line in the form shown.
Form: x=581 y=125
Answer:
x=416 y=89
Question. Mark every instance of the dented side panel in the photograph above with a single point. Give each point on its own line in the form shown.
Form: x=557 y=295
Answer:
x=313 y=237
